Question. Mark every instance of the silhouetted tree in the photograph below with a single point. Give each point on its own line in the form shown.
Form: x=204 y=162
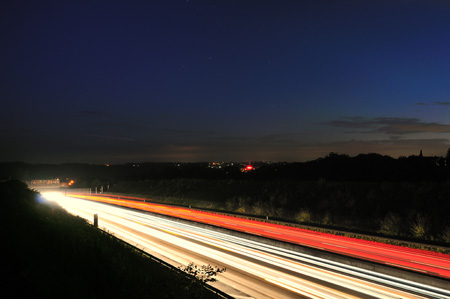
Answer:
x=447 y=157
x=205 y=273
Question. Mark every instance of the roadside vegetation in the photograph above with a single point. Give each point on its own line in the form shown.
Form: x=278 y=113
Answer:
x=405 y=198
x=411 y=211
x=48 y=253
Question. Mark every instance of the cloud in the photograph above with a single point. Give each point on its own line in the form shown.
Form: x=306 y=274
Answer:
x=439 y=103
x=390 y=125
x=442 y=103
x=393 y=148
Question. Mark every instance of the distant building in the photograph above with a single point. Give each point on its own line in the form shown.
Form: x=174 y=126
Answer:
x=51 y=183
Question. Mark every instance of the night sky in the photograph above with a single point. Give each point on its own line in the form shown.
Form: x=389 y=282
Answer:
x=135 y=81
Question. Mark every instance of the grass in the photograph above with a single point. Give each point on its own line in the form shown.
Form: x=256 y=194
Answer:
x=49 y=253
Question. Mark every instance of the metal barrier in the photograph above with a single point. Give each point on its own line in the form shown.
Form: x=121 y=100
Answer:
x=171 y=267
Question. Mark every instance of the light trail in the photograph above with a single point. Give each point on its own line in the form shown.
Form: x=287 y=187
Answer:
x=422 y=261
x=265 y=267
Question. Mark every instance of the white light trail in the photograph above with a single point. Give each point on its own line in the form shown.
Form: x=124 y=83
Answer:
x=257 y=259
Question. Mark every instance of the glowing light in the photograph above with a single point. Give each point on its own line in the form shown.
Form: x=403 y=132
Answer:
x=419 y=260
x=53 y=196
x=134 y=226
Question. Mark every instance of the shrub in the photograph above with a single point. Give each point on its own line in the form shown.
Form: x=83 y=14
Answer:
x=390 y=225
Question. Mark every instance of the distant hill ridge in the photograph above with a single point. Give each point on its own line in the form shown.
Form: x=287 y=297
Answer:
x=335 y=167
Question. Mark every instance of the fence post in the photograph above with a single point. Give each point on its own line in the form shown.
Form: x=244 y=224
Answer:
x=95 y=220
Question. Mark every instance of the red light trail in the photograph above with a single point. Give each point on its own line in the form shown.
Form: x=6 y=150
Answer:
x=431 y=263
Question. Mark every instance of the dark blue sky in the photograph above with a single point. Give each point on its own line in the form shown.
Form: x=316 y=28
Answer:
x=123 y=81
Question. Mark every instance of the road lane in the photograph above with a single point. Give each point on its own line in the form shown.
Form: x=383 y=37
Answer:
x=436 y=264
x=254 y=270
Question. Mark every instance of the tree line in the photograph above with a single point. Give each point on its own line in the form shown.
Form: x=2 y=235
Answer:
x=335 y=167
x=403 y=197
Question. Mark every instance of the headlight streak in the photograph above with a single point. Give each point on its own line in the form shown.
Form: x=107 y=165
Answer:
x=283 y=258
x=412 y=259
x=311 y=293
x=380 y=278
x=238 y=263
x=150 y=246
x=307 y=288
x=287 y=264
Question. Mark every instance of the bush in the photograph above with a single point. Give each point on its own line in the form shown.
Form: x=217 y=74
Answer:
x=303 y=216
x=390 y=225
x=205 y=273
x=418 y=227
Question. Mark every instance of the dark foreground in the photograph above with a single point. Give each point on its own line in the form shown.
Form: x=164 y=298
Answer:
x=48 y=253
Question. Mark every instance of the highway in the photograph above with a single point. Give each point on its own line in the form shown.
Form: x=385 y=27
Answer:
x=421 y=261
x=254 y=270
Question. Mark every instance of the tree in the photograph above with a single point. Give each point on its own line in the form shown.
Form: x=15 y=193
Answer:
x=447 y=157
x=205 y=273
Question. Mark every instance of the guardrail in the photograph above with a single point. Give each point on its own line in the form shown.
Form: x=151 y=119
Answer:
x=169 y=266
x=426 y=278
x=348 y=233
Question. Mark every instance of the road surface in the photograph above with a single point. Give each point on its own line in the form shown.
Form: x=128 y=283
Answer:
x=254 y=270
x=412 y=259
